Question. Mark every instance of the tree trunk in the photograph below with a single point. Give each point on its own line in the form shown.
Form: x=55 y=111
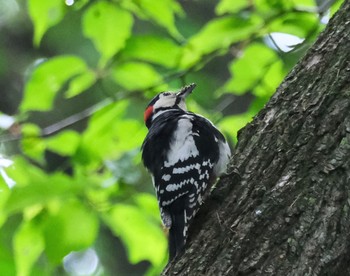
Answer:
x=288 y=212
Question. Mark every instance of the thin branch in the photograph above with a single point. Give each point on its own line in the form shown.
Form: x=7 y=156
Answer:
x=56 y=127
x=74 y=118
x=51 y=129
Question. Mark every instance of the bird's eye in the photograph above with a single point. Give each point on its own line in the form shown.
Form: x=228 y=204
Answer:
x=166 y=94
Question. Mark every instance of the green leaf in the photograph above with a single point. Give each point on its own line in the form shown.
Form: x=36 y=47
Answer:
x=218 y=34
x=250 y=68
x=80 y=83
x=232 y=124
x=335 y=6
x=108 y=26
x=4 y=194
x=271 y=80
x=72 y=228
x=129 y=135
x=112 y=132
x=23 y=173
x=163 y=13
x=304 y=3
x=272 y=7
x=136 y=75
x=65 y=143
x=142 y=237
x=32 y=144
x=230 y=6
x=8 y=266
x=34 y=186
x=44 y=15
x=47 y=79
x=151 y=48
x=148 y=203
x=28 y=245
x=299 y=24
x=30 y=129
x=39 y=193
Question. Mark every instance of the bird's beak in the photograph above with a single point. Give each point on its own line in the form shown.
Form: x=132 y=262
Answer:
x=186 y=90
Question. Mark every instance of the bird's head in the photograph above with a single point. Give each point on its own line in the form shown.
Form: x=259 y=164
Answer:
x=167 y=101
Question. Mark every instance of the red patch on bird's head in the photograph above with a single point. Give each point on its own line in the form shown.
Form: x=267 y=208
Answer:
x=148 y=113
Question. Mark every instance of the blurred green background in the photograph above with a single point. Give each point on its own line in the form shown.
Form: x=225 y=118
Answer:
x=75 y=77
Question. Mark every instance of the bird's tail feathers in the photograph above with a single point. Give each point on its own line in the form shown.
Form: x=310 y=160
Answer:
x=177 y=234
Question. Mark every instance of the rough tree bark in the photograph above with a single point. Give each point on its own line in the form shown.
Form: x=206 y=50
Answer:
x=288 y=212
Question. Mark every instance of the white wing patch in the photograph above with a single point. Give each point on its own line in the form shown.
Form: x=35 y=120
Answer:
x=182 y=170
x=166 y=177
x=225 y=153
x=174 y=187
x=183 y=146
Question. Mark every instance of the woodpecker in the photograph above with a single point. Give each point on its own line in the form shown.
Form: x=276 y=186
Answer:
x=185 y=153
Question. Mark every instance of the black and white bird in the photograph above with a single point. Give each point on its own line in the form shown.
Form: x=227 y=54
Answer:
x=185 y=153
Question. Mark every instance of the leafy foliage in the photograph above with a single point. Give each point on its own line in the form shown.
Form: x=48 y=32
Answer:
x=75 y=143
x=48 y=78
x=99 y=23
